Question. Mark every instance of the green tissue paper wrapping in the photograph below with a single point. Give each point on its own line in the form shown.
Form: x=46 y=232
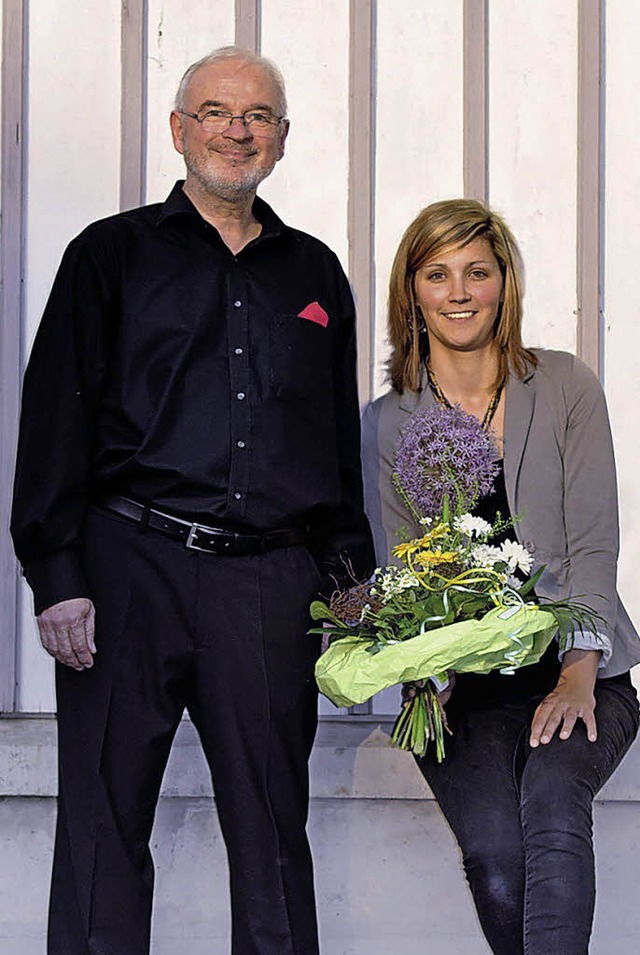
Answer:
x=504 y=638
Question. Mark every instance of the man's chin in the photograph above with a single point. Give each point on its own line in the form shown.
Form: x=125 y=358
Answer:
x=232 y=188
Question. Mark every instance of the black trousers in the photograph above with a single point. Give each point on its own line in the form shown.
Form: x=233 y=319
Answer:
x=523 y=817
x=225 y=638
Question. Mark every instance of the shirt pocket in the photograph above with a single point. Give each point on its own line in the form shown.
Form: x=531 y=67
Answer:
x=299 y=359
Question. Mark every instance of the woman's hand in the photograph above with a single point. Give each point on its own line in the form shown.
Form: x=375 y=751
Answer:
x=571 y=700
x=409 y=690
x=445 y=695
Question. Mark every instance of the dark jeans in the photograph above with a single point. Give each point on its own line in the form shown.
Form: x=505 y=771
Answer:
x=523 y=817
x=225 y=638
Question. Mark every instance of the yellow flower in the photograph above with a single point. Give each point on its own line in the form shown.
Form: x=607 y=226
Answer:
x=433 y=557
x=438 y=532
x=409 y=548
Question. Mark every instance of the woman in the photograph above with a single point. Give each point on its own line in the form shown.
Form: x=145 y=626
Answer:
x=528 y=751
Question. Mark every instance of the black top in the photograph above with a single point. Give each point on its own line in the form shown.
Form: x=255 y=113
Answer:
x=537 y=679
x=215 y=386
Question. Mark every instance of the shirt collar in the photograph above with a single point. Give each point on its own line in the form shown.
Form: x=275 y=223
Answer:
x=178 y=203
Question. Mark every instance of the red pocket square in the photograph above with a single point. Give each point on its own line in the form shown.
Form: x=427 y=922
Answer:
x=315 y=313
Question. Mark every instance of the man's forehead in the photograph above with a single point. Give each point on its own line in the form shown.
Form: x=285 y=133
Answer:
x=232 y=78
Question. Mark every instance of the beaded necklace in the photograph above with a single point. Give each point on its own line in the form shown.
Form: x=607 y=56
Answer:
x=442 y=398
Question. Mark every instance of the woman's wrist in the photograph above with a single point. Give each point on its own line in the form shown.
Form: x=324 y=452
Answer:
x=580 y=665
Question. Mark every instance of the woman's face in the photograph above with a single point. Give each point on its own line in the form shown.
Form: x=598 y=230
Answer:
x=459 y=291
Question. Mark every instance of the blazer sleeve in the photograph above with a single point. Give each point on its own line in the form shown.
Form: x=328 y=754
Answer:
x=590 y=496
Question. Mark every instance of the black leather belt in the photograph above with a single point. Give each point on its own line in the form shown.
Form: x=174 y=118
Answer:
x=214 y=540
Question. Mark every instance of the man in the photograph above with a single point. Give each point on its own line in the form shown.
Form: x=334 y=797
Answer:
x=189 y=467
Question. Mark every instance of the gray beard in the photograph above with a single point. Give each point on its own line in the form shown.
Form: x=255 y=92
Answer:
x=221 y=186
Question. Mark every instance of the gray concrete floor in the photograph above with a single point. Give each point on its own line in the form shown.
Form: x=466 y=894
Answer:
x=387 y=872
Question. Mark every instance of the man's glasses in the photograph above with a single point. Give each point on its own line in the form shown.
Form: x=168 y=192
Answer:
x=259 y=122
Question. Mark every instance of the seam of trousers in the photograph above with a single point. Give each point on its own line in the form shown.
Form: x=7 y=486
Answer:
x=516 y=783
x=267 y=768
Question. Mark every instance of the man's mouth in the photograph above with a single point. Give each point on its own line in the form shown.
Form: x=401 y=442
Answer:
x=235 y=153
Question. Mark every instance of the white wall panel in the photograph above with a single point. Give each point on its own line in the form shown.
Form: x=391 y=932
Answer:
x=533 y=155
x=419 y=144
x=622 y=258
x=309 y=187
x=73 y=155
x=180 y=32
x=73 y=170
x=73 y=130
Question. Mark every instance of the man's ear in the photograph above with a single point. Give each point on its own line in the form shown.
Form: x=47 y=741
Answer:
x=284 y=132
x=175 y=121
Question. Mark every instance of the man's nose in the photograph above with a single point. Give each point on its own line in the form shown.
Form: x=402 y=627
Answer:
x=238 y=129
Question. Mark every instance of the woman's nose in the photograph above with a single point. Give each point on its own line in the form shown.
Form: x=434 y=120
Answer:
x=458 y=291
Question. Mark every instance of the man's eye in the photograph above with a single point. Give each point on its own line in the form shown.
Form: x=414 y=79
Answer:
x=215 y=114
x=261 y=119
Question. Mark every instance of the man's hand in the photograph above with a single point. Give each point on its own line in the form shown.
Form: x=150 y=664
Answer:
x=67 y=632
x=571 y=700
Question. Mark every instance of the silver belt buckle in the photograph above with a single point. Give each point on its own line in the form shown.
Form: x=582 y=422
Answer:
x=193 y=530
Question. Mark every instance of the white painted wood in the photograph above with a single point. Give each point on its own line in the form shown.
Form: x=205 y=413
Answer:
x=533 y=154
x=74 y=152
x=180 y=32
x=12 y=155
x=622 y=257
x=419 y=156
x=308 y=188
x=73 y=178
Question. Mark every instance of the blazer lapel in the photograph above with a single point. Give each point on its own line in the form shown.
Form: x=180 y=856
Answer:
x=412 y=401
x=518 y=414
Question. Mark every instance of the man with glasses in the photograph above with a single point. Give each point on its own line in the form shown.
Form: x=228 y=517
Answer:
x=188 y=479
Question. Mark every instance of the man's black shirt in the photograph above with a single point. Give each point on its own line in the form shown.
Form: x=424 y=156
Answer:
x=214 y=386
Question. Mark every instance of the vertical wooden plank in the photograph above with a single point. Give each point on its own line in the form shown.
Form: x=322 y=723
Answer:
x=475 y=139
x=133 y=103
x=361 y=222
x=360 y=213
x=248 y=32
x=590 y=182
x=12 y=307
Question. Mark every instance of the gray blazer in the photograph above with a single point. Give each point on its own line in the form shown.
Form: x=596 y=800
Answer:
x=560 y=478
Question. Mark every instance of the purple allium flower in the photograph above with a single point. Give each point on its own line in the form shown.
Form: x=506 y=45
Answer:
x=444 y=451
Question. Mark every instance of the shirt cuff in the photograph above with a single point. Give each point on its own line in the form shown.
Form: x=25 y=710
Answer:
x=585 y=640
x=56 y=577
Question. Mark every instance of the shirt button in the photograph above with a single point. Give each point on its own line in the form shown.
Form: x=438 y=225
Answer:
x=237 y=495
x=241 y=444
x=237 y=351
x=237 y=303
x=240 y=395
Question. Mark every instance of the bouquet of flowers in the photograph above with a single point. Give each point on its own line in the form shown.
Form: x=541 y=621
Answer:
x=453 y=601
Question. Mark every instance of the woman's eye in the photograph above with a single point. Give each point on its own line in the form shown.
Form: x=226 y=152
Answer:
x=435 y=276
x=479 y=274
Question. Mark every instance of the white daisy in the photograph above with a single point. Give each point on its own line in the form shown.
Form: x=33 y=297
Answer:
x=516 y=556
x=471 y=526
x=484 y=555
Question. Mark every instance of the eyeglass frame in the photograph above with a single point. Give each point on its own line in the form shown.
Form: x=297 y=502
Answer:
x=230 y=116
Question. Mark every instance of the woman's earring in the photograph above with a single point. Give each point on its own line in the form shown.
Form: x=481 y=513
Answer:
x=422 y=325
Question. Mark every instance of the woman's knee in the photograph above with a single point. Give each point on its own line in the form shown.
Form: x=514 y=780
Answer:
x=495 y=872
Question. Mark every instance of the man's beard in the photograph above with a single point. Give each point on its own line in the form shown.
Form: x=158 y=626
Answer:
x=231 y=184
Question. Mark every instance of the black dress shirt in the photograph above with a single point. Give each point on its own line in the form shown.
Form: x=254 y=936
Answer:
x=214 y=386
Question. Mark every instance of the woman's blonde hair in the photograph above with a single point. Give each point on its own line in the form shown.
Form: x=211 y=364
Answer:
x=446 y=225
